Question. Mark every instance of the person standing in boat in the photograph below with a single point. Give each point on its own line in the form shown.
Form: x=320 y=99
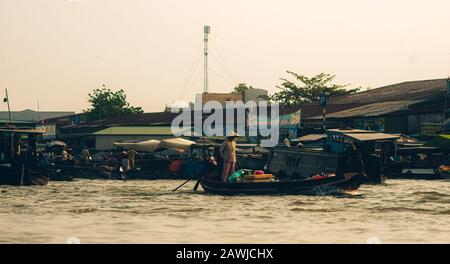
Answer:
x=211 y=164
x=85 y=156
x=228 y=153
x=131 y=157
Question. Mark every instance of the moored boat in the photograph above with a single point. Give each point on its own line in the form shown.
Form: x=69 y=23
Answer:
x=419 y=162
x=19 y=160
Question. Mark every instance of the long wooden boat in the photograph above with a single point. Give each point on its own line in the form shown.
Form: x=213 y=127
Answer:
x=64 y=172
x=320 y=186
x=19 y=164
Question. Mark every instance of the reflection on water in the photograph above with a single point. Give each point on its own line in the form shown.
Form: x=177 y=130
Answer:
x=102 y=211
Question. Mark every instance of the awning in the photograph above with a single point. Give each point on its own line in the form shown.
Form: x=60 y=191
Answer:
x=177 y=143
x=147 y=146
x=310 y=137
x=440 y=141
x=57 y=143
x=371 y=136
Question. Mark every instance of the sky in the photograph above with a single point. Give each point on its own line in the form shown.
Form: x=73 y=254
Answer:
x=57 y=51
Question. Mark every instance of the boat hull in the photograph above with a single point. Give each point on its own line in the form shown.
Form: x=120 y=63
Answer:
x=14 y=178
x=325 y=186
x=443 y=174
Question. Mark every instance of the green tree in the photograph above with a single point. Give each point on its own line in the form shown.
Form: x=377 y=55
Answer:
x=106 y=103
x=309 y=89
x=242 y=87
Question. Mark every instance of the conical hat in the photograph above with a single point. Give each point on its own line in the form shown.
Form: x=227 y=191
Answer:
x=232 y=134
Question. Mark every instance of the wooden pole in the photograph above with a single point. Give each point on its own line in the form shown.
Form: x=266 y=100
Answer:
x=9 y=109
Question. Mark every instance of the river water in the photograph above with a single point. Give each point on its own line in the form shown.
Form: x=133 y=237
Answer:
x=106 y=211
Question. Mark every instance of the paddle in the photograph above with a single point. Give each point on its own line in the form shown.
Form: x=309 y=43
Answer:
x=200 y=178
x=181 y=185
x=197 y=183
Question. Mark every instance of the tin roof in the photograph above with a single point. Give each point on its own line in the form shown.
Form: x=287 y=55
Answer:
x=350 y=130
x=23 y=131
x=126 y=130
x=405 y=91
x=371 y=110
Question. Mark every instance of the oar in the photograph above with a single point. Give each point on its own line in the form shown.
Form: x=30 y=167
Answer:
x=200 y=178
x=181 y=185
x=197 y=183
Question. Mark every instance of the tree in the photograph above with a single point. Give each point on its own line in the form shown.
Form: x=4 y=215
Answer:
x=242 y=87
x=106 y=103
x=309 y=90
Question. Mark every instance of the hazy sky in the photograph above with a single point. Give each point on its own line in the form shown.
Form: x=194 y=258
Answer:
x=56 y=51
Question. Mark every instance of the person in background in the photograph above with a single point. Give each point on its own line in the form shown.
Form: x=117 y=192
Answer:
x=287 y=142
x=85 y=156
x=228 y=153
x=123 y=160
x=64 y=155
x=3 y=150
x=211 y=164
x=131 y=157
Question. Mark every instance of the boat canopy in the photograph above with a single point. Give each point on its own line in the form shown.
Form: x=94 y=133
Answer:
x=57 y=143
x=147 y=146
x=153 y=145
x=310 y=137
x=177 y=143
x=371 y=136
x=440 y=141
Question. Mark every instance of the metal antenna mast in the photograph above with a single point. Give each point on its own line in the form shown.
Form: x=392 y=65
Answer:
x=205 y=77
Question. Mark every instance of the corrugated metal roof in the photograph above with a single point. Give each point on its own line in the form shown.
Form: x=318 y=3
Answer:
x=412 y=90
x=24 y=131
x=124 y=130
x=338 y=130
x=371 y=110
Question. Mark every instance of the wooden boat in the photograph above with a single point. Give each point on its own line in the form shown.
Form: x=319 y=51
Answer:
x=19 y=163
x=319 y=186
x=344 y=151
x=444 y=172
x=69 y=172
x=419 y=162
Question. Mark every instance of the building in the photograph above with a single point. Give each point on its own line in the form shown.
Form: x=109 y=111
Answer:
x=222 y=98
x=398 y=108
x=52 y=125
x=34 y=119
x=29 y=115
x=254 y=94
x=103 y=139
x=100 y=134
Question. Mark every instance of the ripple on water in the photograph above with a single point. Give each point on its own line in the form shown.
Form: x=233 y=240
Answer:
x=82 y=210
x=97 y=210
